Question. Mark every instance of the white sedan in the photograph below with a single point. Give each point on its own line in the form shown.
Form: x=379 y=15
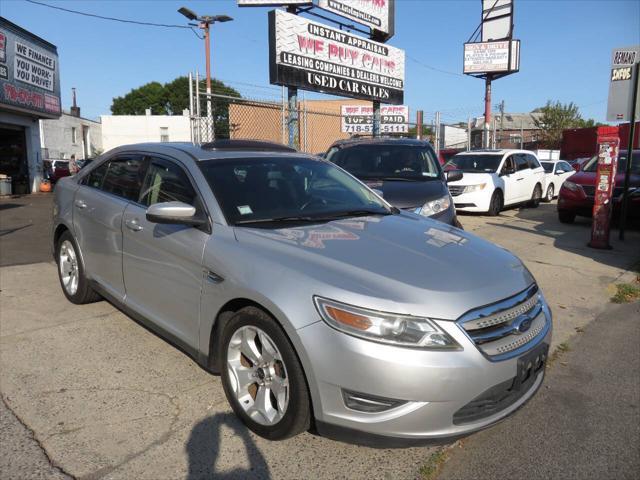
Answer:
x=555 y=173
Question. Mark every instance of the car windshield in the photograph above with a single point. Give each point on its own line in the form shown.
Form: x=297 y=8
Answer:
x=391 y=162
x=474 y=163
x=548 y=166
x=288 y=189
x=592 y=165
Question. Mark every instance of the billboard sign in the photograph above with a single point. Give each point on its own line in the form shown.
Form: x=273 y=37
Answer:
x=318 y=58
x=29 y=73
x=376 y=14
x=497 y=20
x=272 y=3
x=492 y=57
x=621 y=84
x=359 y=119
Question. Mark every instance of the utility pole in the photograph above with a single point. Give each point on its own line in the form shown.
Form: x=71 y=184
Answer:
x=501 y=107
x=469 y=134
x=521 y=134
x=627 y=173
x=419 y=120
x=437 y=134
x=376 y=118
x=487 y=112
x=204 y=23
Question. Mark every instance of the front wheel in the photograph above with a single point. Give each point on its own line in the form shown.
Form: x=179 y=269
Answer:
x=496 y=203
x=262 y=376
x=536 y=196
x=73 y=280
x=549 y=196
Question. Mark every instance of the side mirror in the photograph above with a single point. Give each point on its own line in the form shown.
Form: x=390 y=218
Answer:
x=177 y=213
x=453 y=175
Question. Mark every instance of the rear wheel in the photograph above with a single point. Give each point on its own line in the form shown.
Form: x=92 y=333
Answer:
x=536 y=196
x=73 y=281
x=566 y=217
x=262 y=376
x=550 y=191
x=496 y=203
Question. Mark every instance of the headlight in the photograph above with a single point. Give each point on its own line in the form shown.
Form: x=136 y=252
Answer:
x=400 y=330
x=434 y=206
x=474 y=188
x=572 y=186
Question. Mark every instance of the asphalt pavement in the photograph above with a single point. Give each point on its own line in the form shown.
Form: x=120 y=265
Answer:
x=583 y=424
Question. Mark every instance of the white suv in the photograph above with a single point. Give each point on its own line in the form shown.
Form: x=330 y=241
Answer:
x=494 y=179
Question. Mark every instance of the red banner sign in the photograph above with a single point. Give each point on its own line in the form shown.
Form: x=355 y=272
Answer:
x=605 y=182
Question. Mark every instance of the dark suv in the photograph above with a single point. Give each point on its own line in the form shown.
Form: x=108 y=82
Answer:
x=405 y=172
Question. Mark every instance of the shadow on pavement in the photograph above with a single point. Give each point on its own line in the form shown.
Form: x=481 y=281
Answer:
x=574 y=237
x=203 y=449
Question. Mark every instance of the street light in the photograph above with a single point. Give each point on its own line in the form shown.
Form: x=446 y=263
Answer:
x=204 y=23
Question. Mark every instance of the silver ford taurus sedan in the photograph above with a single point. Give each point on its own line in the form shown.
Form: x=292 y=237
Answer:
x=318 y=303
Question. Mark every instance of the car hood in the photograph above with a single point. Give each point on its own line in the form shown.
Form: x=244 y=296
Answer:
x=401 y=263
x=404 y=194
x=473 y=179
x=589 y=178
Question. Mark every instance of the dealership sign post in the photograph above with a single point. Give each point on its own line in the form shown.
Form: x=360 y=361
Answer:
x=491 y=53
x=603 y=195
x=359 y=119
x=623 y=105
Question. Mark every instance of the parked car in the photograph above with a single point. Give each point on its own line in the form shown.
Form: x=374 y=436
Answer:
x=54 y=170
x=578 y=163
x=494 y=179
x=317 y=301
x=577 y=194
x=555 y=173
x=405 y=172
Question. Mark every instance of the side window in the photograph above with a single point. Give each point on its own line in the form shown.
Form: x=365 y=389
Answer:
x=95 y=178
x=123 y=177
x=166 y=182
x=521 y=162
x=509 y=165
x=566 y=167
x=532 y=161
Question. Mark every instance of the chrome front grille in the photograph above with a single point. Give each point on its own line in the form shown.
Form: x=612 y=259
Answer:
x=456 y=190
x=505 y=329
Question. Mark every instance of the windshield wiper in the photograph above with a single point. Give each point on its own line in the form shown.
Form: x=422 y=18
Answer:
x=404 y=179
x=355 y=213
x=292 y=218
x=317 y=219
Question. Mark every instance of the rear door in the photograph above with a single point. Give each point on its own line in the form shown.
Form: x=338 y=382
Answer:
x=162 y=264
x=99 y=204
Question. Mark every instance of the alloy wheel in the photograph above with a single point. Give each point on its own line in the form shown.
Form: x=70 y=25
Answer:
x=258 y=375
x=549 y=193
x=68 y=265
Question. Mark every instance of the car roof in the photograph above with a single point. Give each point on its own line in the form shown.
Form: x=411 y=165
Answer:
x=349 y=142
x=495 y=151
x=201 y=152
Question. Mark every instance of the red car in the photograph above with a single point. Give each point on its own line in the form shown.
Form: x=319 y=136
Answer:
x=578 y=191
x=56 y=169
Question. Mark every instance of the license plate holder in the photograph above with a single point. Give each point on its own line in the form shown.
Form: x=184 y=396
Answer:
x=531 y=364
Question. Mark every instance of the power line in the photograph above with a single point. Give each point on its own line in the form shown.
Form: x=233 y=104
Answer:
x=421 y=63
x=113 y=19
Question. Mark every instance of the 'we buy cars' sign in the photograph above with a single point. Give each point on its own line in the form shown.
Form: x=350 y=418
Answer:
x=315 y=57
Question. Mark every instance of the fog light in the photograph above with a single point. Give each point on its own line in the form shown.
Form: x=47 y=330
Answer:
x=368 y=403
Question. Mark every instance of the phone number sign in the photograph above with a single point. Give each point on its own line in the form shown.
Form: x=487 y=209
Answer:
x=359 y=119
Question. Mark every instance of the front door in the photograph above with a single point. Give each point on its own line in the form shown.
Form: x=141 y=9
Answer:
x=162 y=264
x=510 y=177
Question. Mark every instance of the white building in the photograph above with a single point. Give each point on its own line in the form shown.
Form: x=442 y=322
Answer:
x=126 y=129
x=70 y=135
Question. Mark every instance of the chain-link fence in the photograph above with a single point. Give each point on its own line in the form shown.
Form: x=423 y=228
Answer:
x=317 y=124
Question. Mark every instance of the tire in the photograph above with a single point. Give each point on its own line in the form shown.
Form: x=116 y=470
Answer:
x=279 y=381
x=536 y=196
x=566 y=217
x=71 y=274
x=496 y=203
x=550 y=192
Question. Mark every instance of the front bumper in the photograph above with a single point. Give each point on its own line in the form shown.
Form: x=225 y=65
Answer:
x=435 y=386
x=473 y=201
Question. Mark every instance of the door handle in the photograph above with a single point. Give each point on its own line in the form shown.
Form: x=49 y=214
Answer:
x=518 y=179
x=80 y=203
x=133 y=225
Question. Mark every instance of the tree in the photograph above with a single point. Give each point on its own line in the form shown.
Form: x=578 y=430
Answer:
x=170 y=99
x=555 y=118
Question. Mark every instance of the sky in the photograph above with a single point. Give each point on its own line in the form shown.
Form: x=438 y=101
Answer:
x=565 y=51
